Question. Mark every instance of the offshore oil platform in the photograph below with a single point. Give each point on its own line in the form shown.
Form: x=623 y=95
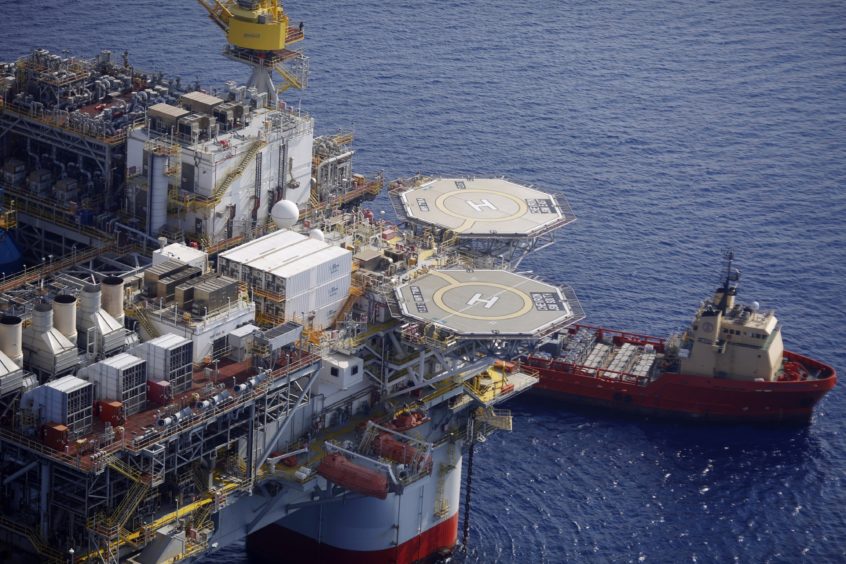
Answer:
x=205 y=337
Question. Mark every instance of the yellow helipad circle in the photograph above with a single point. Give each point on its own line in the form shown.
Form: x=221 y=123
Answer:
x=440 y=203
x=437 y=297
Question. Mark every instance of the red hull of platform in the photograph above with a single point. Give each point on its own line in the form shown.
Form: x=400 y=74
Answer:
x=276 y=543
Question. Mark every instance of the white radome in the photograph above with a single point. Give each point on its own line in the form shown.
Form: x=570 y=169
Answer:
x=285 y=214
x=317 y=234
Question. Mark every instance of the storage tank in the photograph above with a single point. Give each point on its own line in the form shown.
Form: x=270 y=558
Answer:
x=64 y=316
x=11 y=340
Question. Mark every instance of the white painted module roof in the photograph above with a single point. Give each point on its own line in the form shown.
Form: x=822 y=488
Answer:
x=285 y=253
x=168 y=341
x=180 y=252
x=122 y=361
x=67 y=384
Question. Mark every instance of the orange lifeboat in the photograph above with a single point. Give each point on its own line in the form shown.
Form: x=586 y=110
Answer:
x=337 y=468
x=408 y=420
x=388 y=447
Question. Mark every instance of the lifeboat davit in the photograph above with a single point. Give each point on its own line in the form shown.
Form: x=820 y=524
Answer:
x=337 y=468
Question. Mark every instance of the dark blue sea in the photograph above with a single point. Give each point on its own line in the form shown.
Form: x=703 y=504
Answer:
x=675 y=129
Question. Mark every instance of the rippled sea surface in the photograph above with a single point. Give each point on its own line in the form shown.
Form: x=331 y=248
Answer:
x=675 y=129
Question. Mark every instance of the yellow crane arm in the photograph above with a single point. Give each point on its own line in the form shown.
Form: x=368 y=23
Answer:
x=218 y=12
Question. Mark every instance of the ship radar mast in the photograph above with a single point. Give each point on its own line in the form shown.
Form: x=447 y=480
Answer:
x=732 y=278
x=258 y=35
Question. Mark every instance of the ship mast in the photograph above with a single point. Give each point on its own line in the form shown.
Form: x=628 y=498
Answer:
x=730 y=282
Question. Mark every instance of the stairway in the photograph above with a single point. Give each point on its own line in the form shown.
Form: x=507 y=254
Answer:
x=120 y=466
x=49 y=554
x=230 y=178
x=129 y=504
x=141 y=317
x=355 y=293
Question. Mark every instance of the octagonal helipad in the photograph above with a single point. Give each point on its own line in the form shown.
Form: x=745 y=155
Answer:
x=484 y=207
x=487 y=303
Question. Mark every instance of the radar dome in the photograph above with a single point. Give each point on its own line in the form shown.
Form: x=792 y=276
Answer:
x=317 y=234
x=285 y=214
x=755 y=306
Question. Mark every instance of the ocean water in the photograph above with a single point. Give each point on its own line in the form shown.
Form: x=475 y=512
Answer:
x=675 y=130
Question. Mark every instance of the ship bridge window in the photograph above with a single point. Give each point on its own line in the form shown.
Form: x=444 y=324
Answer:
x=334 y=371
x=355 y=369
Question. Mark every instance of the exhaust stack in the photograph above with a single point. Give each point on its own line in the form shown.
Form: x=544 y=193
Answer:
x=113 y=297
x=48 y=350
x=98 y=332
x=11 y=338
x=64 y=316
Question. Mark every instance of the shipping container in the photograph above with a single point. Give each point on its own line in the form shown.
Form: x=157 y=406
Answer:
x=55 y=436
x=159 y=392
x=111 y=412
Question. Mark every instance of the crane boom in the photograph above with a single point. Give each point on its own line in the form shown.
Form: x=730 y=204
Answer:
x=217 y=12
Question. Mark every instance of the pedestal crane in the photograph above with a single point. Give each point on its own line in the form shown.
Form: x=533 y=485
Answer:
x=259 y=34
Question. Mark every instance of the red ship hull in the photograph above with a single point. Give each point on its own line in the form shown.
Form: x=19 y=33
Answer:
x=689 y=396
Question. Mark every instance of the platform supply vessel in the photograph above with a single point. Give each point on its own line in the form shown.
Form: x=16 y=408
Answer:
x=729 y=365
x=211 y=340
